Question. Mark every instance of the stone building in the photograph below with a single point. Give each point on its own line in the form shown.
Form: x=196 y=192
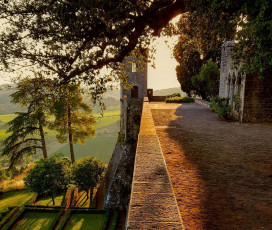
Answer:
x=250 y=95
x=120 y=169
x=131 y=99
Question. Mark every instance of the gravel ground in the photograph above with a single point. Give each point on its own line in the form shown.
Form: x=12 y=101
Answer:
x=221 y=171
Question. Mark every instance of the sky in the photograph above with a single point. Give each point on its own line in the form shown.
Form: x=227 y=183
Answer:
x=164 y=75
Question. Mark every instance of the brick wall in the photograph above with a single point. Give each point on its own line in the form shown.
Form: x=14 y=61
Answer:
x=258 y=98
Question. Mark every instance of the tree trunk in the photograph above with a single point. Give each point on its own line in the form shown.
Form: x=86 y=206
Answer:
x=70 y=135
x=42 y=138
x=52 y=196
x=91 y=196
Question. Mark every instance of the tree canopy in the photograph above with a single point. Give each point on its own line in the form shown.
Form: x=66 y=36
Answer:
x=88 y=172
x=73 y=40
x=49 y=176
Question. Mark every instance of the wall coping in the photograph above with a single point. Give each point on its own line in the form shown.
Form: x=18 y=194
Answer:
x=152 y=204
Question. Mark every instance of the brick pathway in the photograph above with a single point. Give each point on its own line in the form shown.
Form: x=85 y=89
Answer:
x=221 y=172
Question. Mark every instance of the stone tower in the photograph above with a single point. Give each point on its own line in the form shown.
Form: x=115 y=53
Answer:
x=226 y=66
x=132 y=99
x=137 y=71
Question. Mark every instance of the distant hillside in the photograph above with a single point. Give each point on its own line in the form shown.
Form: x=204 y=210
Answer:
x=111 y=98
x=164 y=92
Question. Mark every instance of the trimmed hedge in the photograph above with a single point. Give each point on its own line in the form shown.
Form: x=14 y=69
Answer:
x=64 y=220
x=173 y=95
x=8 y=216
x=114 y=222
x=32 y=199
x=179 y=100
x=14 y=219
x=55 y=222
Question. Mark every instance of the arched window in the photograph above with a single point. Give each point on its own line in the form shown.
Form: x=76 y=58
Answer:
x=134 y=68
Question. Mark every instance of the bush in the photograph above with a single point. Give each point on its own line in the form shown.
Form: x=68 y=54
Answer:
x=173 y=95
x=88 y=172
x=222 y=108
x=50 y=176
x=207 y=81
x=179 y=100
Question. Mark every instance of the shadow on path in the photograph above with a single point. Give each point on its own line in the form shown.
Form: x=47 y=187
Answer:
x=221 y=171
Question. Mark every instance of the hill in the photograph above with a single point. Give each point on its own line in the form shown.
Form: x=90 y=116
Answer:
x=164 y=92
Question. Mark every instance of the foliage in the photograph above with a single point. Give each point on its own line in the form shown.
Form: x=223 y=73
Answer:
x=206 y=83
x=50 y=176
x=189 y=59
x=21 y=142
x=4 y=174
x=222 y=108
x=88 y=172
x=73 y=117
x=179 y=100
x=253 y=49
x=173 y=95
x=36 y=95
x=74 y=40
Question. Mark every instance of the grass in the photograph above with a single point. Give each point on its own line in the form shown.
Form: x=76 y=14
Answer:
x=109 y=117
x=47 y=200
x=85 y=222
x=7 y=117
x=100 y=147
x=36 y=221
x=14 y=198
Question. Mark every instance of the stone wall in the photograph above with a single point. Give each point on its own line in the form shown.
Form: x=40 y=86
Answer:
x=120 y=169
x=258 y=98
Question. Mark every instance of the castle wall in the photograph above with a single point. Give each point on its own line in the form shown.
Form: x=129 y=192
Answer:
x=258 y=98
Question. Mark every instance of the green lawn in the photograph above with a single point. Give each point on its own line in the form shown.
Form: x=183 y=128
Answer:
x=108 y=118
x=85 y=222
x=47 y=200
x=36 y=221
x=7 y=117
x=100 y=147
x=14 y=198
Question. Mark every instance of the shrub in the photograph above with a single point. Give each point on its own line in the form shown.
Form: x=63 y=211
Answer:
x=50 y=176
x=179 y=100
x=222 y=108
x=207 y=81
x=173 y=95
x=88 y=172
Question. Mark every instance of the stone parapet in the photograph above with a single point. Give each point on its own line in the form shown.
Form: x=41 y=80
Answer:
x=152 y=204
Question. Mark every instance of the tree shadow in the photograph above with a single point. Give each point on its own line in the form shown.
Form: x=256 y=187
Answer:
x=219 y=170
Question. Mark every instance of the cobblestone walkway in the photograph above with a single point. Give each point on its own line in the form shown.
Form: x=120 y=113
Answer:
x=221 y=172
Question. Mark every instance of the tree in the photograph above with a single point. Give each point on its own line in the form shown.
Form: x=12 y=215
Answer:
x=21 y=142
x=189 y=59
x=49 y=176
x=36 y=94
x=73 y=40
x=73 y=117
x=87 y=173
x=206 y=83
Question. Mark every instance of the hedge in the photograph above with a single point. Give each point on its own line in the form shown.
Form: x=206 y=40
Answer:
x=8 y=216
x=64 y=220
x=55 y=222
x=179 y=100
x=13 y=219
x=173 y=95
x=32 y=199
